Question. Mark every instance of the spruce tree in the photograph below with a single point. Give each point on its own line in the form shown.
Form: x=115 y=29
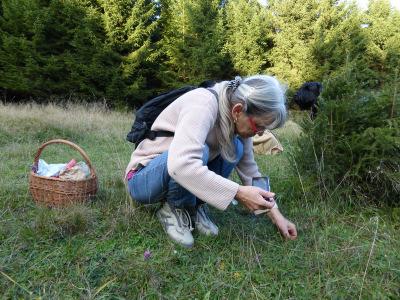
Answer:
x=314 y=38
x=339 y=39
x=292 y=56
x=54 y=47
x=16 y=48
x=248 y=36
x=129 y=27
x=192 y=41
x=383 y=29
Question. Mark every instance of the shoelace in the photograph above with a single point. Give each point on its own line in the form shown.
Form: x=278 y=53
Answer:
x=184 y=217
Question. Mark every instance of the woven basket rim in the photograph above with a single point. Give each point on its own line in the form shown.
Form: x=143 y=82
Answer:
x=92 y=176
x=68 y=143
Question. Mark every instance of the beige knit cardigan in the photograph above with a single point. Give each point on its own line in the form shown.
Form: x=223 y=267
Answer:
x=192 y=117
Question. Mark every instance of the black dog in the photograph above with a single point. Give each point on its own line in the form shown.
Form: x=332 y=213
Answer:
x=307 y=95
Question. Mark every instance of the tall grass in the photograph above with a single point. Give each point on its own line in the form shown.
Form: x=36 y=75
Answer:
x=95 y=251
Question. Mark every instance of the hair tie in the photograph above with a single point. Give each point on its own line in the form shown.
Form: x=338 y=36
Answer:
x=234 y=84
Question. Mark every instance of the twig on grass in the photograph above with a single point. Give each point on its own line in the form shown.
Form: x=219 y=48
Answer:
x=340 y=183
x=339 y=250
x=280 y=291
x=256 y=255
x=255 y=290
x=104 y=286
x=370 y=254
x=319 y=168
x=42 y=260
x=317 y=255
x=16 y=283
x=2 y=214
x=359 y=231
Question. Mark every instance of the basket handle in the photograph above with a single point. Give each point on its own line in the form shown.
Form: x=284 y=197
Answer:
x=72 y=145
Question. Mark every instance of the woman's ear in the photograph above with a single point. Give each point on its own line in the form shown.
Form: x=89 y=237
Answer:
x=236 y=110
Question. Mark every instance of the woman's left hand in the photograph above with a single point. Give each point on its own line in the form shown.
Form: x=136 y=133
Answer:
x=286 y=228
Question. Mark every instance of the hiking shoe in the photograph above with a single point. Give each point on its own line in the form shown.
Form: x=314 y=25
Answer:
x=203 y=222
x=177 y=224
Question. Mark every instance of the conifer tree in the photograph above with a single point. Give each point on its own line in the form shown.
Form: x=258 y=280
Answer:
x=314 y=38
x=16 y=51
x=192 y=41
x=292 y=57
x=129 y=27
x=339 y=39
x=248 y=37
x=383 y=51
x=53 y=47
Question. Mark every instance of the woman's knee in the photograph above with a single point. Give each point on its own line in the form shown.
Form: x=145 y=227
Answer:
x=142 y=191
x=150 y=183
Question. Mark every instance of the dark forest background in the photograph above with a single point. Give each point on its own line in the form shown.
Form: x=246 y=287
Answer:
x=125 y=51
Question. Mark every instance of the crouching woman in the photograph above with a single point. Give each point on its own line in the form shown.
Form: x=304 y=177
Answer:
x=212 y=136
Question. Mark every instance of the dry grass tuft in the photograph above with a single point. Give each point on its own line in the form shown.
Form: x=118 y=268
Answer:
x=95 y=118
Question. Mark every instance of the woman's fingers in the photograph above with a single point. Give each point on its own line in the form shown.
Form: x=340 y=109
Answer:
x=255 y=198
x=292 y=231
x=259 y=203
x=289 y=231
x=285 y=234
x=286 y=228
x=263 y=203
x=267 y=199
x=266 y=194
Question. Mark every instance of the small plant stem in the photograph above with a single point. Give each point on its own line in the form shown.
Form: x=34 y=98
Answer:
x=301 y=181
x=103 y=286
x=16 y=283
x=256 y=255
x=370 y=254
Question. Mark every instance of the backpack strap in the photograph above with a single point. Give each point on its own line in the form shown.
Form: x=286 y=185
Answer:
x=151 y=135
x=213 y=92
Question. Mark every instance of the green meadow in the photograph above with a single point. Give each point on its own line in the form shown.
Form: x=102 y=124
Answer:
x=344 y=250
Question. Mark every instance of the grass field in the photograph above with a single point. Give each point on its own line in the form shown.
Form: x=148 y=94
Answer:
x=96 y=251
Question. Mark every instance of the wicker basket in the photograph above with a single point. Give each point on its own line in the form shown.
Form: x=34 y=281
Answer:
x=57 y=192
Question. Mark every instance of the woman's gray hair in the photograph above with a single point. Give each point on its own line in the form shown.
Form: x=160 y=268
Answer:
x=261 y=95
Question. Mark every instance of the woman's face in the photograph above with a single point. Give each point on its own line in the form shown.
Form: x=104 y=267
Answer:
x=247 y=125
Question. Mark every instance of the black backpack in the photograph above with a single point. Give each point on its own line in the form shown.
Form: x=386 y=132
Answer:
x=306 y=96
x=147 y=114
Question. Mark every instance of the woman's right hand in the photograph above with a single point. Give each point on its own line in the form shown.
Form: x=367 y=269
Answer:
x=255 y=198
